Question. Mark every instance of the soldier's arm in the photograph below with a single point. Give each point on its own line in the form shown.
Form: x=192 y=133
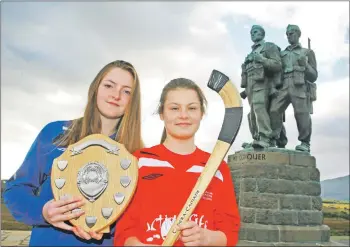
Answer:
x=272 y=61
x=243 y=77
x=311 y=67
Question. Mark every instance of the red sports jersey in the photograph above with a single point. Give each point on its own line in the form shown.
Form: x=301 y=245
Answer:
x=166 y=180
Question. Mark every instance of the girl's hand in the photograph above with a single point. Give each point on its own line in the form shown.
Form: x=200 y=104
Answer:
x=84 y=235
x=57 y=212
x=193 y=235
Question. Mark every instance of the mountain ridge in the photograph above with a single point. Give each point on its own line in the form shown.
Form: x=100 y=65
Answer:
x=336 y=188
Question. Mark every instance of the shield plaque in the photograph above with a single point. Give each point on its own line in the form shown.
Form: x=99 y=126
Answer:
x=103 y=172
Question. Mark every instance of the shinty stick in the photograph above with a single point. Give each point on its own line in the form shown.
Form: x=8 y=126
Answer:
x=220 y=83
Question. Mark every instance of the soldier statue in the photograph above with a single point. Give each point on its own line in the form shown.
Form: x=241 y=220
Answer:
x=261 y=74
x=281 y=142
x=298 y=87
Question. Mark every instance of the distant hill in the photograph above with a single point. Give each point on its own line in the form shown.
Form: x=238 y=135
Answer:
x=336 y=188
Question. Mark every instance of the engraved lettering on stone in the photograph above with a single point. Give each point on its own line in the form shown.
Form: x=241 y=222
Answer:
x=59 y=182
x=90 y=221
x=107 y=212
x=113 y=149
x=62 y=164
x=92 y=180
x=119 y=197
x=249 y=156
x=125 y=181
x=125 y=163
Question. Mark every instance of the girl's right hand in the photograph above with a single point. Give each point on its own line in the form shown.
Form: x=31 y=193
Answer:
x=57 y=212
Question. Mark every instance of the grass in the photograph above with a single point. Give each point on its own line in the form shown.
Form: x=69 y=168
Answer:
x=9 y=223
x=336 y=216
x=335 y=209
x=341 y=237
x=339 y=227
x=338 y=206
x=330 y=201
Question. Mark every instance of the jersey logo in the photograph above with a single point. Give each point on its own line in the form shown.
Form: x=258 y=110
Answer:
x=160 y=226
x=199 y=169
x=152 y=176
x=148 y=162
x=207 y=196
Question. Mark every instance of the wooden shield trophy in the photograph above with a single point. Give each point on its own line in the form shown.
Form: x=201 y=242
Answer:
x=101 y=170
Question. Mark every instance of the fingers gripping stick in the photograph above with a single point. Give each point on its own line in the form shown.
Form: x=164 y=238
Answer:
x=229 y=129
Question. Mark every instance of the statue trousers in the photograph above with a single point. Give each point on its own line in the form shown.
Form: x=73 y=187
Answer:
x=281 y=141
x=259 y=118
x=279 y=104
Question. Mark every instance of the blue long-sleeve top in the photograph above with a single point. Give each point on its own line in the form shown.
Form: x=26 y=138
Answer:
x=29 y=189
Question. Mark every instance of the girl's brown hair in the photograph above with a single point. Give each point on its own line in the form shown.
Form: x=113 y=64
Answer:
x=176 y=84
x=128 y=129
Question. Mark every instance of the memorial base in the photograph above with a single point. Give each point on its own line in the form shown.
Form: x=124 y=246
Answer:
x=278 y=193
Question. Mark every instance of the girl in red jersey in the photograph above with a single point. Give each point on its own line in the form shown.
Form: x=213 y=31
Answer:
x=167 y=174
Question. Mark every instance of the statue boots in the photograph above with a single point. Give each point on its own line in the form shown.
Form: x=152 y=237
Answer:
x=303 y=147
x=274 y=143
x=263 y=142
x=281 y=145
x=246 y=145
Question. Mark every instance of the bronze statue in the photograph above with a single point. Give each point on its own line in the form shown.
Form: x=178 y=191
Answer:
x=298 y=87
x=261 y=74
x=282 y=140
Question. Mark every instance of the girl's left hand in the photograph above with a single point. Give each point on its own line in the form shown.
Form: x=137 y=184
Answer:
x=84 y=235
x=193 y=235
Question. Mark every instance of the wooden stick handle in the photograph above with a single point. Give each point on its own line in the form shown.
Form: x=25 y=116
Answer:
x=220 y=150
x=220 y=83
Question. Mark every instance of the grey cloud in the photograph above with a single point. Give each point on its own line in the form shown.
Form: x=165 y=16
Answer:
x=332 y=127
x=69 y=43
x=48 y=47
x=93 y=31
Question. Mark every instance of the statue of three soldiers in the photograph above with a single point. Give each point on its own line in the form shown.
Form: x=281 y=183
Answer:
x=273 y=79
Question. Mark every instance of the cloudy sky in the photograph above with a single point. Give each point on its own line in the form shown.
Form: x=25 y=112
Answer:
x=50 y=53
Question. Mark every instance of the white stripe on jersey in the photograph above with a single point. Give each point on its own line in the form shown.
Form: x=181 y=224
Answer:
x=148 y=162
x=199 y=169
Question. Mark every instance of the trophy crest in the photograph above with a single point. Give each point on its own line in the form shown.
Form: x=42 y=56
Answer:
x=103 y=172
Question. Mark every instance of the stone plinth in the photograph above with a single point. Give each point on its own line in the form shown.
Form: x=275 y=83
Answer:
x=278 y=192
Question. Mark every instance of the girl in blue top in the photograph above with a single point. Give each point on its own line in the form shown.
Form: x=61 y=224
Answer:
x=113 y=109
